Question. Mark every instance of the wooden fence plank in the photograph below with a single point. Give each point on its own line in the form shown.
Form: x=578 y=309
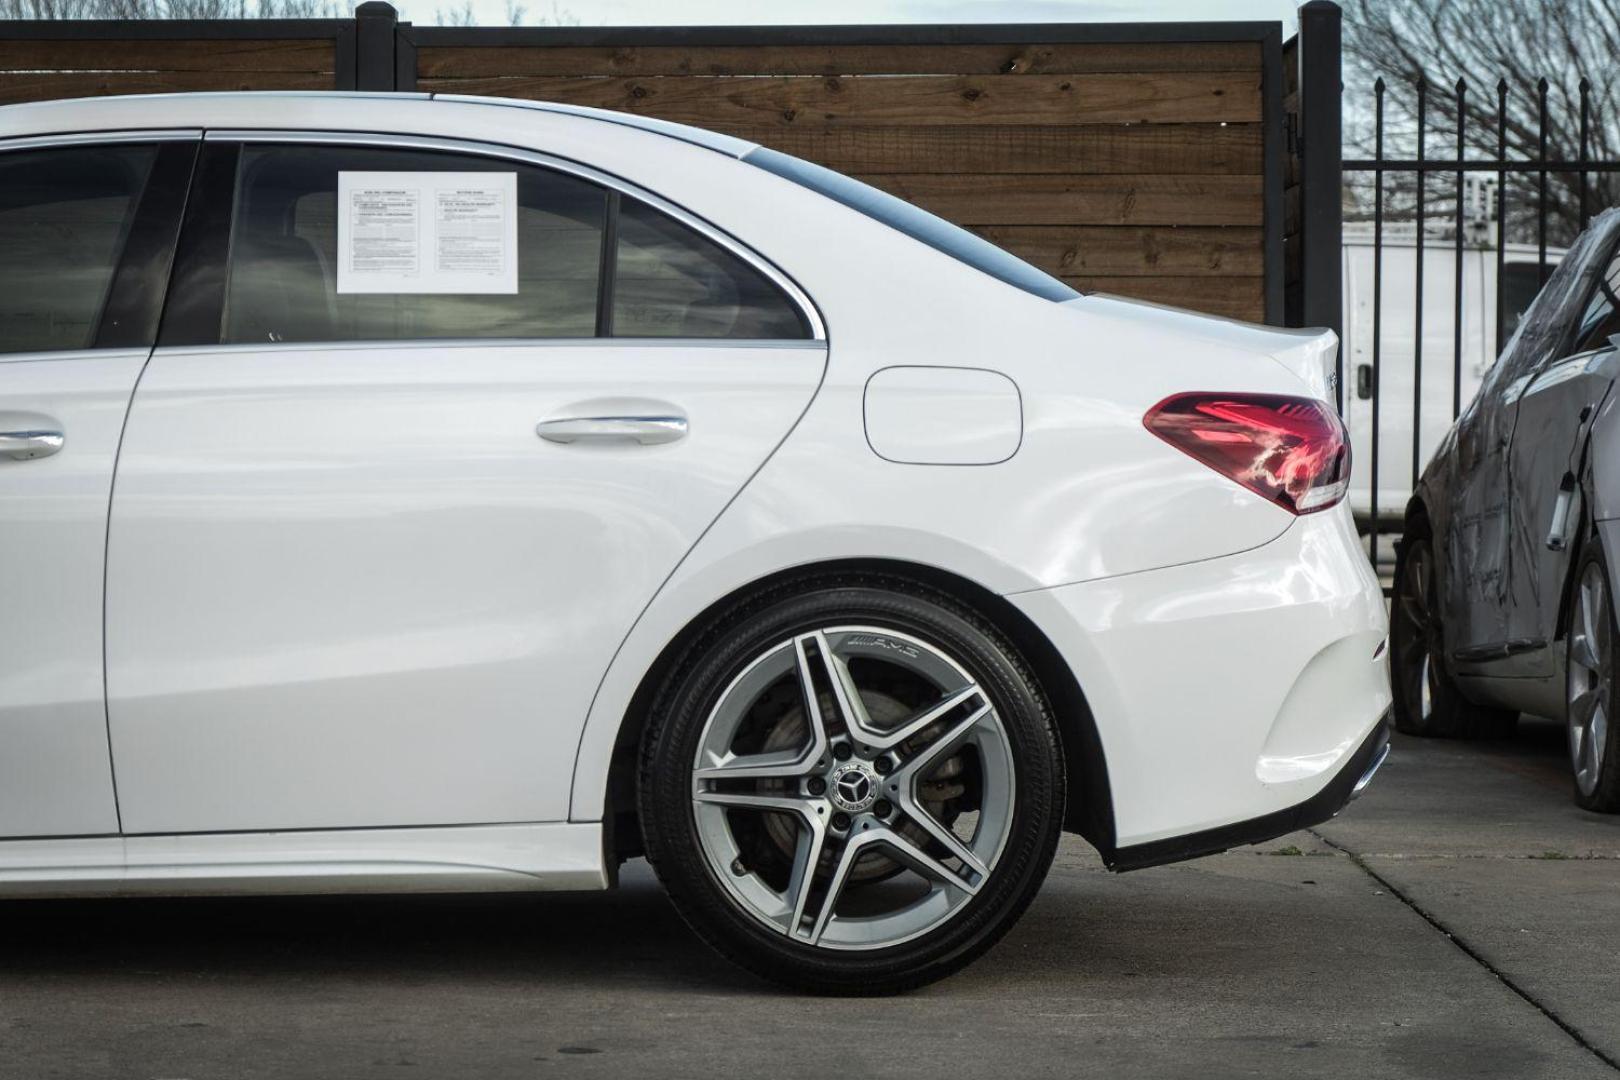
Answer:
x=234 y=56
x=969 y=199
x=1134 y=252
x=1117 y=148
x=43 y=87
x=461 y=62
x=1234 y=297
x=1192 y=97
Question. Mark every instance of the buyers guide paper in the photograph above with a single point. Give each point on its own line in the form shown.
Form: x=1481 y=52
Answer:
x=427 y=232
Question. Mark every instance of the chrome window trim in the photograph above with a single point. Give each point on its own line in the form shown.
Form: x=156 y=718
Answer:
x=93 y=138
x=45 y=356
x=728 y=145
x=394 y=345
x=800 y=299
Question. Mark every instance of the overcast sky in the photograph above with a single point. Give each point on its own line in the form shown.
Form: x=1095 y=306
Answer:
x=749 y=12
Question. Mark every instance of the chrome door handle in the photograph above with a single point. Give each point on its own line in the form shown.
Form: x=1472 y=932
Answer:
x=27 y=445
x=1556 y=538
x=646 y=430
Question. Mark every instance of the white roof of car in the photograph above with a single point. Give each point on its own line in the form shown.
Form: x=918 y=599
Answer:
x=213 y=109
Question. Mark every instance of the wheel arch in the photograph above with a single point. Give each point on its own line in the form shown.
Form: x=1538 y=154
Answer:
x=1416 y=521
x=1090 y=809
x=1417 y=513
x=1588 y=536
x=1599 y=491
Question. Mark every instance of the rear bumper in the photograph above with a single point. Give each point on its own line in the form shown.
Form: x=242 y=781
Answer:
x=1346 y=784
x=1229 y=691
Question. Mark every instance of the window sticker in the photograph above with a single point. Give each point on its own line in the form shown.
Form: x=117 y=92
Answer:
x=427 y=232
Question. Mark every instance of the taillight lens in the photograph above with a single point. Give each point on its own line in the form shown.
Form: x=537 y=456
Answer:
x=1292 y=450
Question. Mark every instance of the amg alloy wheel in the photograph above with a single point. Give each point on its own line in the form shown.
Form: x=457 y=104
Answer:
x=1593 y=751
x=856 y=786
x=855 y=791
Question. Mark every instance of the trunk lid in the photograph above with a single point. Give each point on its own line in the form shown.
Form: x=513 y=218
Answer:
x=1309 y=354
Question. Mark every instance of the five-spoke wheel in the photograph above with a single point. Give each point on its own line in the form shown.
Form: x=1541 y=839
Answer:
x=857 y=787
x=854 y=789
x=1590 y=677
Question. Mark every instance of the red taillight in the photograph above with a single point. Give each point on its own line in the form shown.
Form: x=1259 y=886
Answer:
x=1292 y=450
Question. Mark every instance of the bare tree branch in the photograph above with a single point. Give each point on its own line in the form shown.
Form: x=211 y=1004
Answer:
x=1567 y=42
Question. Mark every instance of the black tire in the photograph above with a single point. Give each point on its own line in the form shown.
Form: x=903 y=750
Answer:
x=1428 y=702
x=1590 y=681
x=681 y=714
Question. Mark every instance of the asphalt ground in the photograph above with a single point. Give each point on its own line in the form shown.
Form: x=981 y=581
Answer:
x=1462 y=919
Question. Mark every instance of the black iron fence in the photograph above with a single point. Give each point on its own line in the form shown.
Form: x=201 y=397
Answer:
x=1482 y=191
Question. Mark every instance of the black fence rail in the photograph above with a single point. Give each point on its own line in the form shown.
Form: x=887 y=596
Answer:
x=1486 y=199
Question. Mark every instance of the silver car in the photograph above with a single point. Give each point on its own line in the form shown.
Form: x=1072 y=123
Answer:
x=1503 y=598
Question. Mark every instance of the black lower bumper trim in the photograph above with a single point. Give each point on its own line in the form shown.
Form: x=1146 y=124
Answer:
x=1313 y=811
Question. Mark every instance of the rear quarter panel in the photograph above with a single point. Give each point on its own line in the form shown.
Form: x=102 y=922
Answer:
x=1089 y=493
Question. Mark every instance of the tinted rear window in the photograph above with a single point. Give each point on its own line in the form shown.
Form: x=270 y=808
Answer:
x=64 y=217
x=668 y=280
x=283 y=283
x=671 y=282
x=915 y=222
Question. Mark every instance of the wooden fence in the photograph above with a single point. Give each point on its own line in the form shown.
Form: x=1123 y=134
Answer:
x=1150 y=160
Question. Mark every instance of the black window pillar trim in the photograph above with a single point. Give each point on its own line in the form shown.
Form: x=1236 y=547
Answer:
x=196 y=305
x=129 y=317
x=607 y=276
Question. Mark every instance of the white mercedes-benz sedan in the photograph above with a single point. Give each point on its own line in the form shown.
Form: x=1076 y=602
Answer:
x=430 y=493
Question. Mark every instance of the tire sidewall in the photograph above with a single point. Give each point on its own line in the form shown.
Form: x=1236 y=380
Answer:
x=1408 y=685
x=1605 y=798
x=1408 y=692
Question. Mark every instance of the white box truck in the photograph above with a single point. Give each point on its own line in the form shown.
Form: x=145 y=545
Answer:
x=1521 y=279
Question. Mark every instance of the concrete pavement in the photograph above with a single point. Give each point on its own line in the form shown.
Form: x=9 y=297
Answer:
x=1463 y=919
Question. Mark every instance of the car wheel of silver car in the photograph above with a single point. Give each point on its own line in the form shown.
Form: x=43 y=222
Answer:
x=1594 y=751
x=1427 y=700
x=852 y=787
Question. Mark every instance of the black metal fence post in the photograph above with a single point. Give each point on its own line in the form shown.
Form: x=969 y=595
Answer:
x=1378 y=313
x=376 y=28
x=1321 y=170
x=1420 y=223
x=1501 y=213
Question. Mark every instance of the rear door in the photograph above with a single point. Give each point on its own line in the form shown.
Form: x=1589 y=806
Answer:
x=87 y=231
x=373 y=546
x=1486 y=546
x=1555 y=413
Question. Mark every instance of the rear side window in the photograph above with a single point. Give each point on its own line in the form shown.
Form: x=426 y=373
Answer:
x=283 y=279
x=65 y=215
x=672 y=282
x=590 y=262
x=915 y=222
x=1545 y=327
x=1602 y=319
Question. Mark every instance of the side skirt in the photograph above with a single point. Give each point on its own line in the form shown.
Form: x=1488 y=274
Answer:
x=472 y=858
